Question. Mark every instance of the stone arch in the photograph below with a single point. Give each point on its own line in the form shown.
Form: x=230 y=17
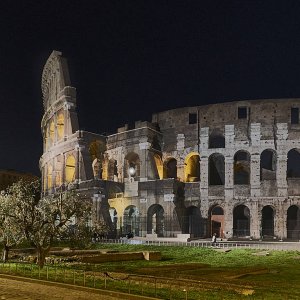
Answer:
x=155 y=220
x=132 y=165
x=293 y=162
x=170 y=168
x=112 y=170
x=70 y=169
x=192 y=167
x=97 y=168
x=241 y=221
x=241 y=167
x=49 y=176
x=51 y=131
x=216 y=216
x=58 y=181
x=267 y=221
x=193 y=222
x=60 y=124
x=216 y=169
x=293 y=222
x=216 y=139
x=131 y=220
x=268 y=164
x=114 y=217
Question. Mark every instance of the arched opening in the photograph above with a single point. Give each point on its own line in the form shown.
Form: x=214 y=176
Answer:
x=216 y=169
x=114 y=217
x=293 y=222
x=51 y=131
x=268 y=161
x=131 y=220
x=132 y=166
x=267 y=221
x=112 y=170
x=70 y=168
x=193 y=222
x=155 y=220
x=170 y=168
x=241 y=221
x=192 y=168
x=159 y=165
x=217 y=221
x=97 y=170
x=216 y=139
x=60 y=126
x=241 y=167
x=49 y=182
x=293 y=163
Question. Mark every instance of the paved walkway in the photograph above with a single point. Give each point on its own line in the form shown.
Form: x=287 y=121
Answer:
x=21 y=289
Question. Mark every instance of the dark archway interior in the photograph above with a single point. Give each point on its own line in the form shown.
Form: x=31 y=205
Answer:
x=155 y=220
x=267 y=222
x=242 y=168
x=171 y=168
x=241 y=221
x=216 y=174
x=293 y=222
x=216 y=140
x=268 y=165
x=193 y=223
x=217 y=221
x=293 y=164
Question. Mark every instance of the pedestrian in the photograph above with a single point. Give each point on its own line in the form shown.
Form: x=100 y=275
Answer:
x=214 y=239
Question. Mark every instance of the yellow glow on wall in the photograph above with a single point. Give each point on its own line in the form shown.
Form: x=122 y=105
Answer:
x=192 y=167
x=51 y=130
x=70 y=168
x=60 y=126
x=159 y=166
x=49 y=177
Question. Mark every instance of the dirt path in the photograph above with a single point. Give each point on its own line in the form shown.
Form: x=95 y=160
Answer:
x=16 y=290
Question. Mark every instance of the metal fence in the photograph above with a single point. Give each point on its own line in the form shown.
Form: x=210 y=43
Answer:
x=208 y=244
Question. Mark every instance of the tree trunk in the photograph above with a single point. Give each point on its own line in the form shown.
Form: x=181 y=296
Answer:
x=41 y=256
x=5 y=253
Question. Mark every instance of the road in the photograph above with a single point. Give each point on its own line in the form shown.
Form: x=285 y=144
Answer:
x=16 y=290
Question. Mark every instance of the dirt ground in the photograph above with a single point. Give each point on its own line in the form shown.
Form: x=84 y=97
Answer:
x=16 y=290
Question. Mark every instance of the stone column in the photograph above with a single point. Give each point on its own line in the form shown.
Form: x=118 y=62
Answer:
x=281 y=135
x=144 y=146
x=255 y=136
x=229 y=178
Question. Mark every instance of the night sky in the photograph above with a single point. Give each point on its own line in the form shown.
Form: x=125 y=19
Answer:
x=129 y=59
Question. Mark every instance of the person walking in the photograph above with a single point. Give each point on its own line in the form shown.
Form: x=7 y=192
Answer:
x=214 y=239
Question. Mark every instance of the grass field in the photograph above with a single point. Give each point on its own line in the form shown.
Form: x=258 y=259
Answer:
x=238 y=274
x=184 y=273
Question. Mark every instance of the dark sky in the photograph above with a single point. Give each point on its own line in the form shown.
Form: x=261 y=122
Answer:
x=129 y=59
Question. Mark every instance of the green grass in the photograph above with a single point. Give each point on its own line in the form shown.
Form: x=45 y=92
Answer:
x=204 y=273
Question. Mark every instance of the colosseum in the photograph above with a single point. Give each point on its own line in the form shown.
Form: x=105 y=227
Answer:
x=231 y=168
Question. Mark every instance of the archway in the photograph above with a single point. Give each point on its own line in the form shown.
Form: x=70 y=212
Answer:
x=268 y=165
x=131 y=220
x=97 y=170
x=193 y=222
x=132 y=166
x=170 y=168
x=293 y=170
x=293 y=222
x=241 y=167
x=70 y=168
x=241 y=221
x=192 y=168
x=155 y=220
x=217 y=221
x=216 y=139
x=267 y=221
x=216 y=169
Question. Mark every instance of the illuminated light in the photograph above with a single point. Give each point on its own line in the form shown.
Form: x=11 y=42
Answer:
x=70 y=168
x=49 y=177
x=60 y=126
x=131 y=171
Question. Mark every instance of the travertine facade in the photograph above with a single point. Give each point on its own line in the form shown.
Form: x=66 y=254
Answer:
x=231 y=168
